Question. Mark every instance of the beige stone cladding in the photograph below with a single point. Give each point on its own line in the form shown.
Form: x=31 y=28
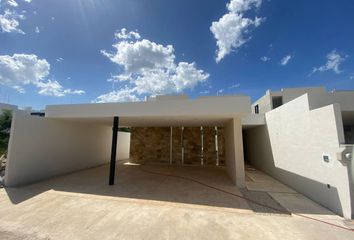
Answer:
x=152 y=144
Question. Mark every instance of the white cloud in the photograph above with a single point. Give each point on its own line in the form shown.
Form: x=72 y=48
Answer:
x=187 y=76
x=235 y=86
x=28 y=1
x=123 y=34
x=12 y=3
x=123 y=95
x=285 y=60
x=232 y=30
x=52 y=18
x=334 y=59
x=149 y=68
x=20 y=70
x=120 y=78
x=140 y=55
x=9 y=21
x=54 y=88
x=265 y=59
x=37 y=29
x=59 y=59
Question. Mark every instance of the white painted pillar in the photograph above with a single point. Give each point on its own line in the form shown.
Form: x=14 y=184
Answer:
x=217 y=146
x=234 y=158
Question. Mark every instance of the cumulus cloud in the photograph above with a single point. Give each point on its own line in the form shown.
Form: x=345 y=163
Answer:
x=54 y=88
x=12 y=3
x=232 y=30
x=285 y=60
x=265 y=59
x=20 y=70
x=140 y=55
x=148 y=68
x=37 y=30
x=123 y=95
x=9 y=21
x=334 y=59
x=123 y=34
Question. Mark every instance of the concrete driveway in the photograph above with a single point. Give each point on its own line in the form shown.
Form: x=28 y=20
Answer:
x=145 y=205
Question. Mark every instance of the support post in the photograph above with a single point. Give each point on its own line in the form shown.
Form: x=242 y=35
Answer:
x=217 y=146
x=201 y=146
x=112 y=167
x=182 y=145
x=171 y=145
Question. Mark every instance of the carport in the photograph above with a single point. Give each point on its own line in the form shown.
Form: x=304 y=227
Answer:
x=75 y=137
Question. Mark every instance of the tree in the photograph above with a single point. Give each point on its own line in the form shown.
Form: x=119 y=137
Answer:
x=5 y=126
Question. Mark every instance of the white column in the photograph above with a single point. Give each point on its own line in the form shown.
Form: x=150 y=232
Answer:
x=217 y=146
x=234 y=152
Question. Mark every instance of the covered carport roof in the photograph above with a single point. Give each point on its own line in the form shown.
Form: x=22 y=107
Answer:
x=164 y=112
x=203 y=108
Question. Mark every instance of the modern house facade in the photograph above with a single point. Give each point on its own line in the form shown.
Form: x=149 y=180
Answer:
x=307 y=143
x=303 y=137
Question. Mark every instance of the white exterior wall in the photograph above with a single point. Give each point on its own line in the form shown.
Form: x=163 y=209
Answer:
x=123 y=148
x=223 y=106
x=291 y=147
x=264 y=103
x=319 y=97
x=40 y=148
x=234 y=160
x=290 y=94
x=344 y=98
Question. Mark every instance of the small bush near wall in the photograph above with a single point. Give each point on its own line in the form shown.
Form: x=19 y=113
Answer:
x=5 y=126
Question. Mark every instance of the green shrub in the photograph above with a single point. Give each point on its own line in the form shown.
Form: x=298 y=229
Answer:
x=5 y=126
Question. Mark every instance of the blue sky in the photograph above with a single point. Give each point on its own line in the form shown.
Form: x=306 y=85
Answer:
x=65 y=51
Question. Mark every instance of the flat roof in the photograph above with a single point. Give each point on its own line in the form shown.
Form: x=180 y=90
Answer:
x=210 y=111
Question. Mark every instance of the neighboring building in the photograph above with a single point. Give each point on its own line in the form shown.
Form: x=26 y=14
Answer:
x=302 y=137
x=5 y=106
x=27 y=110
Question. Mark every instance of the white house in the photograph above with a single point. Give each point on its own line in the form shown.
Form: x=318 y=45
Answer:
x=307 y=143
x=302 y=137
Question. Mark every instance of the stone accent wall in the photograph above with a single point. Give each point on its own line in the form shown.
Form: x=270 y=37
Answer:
x=153 y=145
x=150 y=144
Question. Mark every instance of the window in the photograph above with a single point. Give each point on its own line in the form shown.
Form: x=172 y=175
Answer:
x=349 y=134
x=277 y=101
x=256 y=109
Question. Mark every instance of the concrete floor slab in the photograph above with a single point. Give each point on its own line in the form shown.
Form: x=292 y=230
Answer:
x=143 y=205
x=258 y=181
